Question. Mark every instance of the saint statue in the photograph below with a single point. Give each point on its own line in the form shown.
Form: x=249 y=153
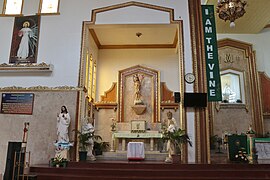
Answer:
x=63 y=122
x=137 y=85
x=171 y=127
x=87 y=127
x=62 y=145
x=228 y=93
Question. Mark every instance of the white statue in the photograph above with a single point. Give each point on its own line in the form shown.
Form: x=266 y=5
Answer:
x=87 y=127
x=171 y=127
x=228 y=93
x=137 y=79
x=63 y=122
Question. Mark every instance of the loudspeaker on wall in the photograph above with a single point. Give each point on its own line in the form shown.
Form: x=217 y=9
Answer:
x=177 y=97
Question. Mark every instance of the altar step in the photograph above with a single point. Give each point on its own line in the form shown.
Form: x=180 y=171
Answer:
x=151 y=170
x=122 y=156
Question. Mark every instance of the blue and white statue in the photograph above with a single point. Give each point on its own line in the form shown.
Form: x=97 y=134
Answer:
x=62 y=145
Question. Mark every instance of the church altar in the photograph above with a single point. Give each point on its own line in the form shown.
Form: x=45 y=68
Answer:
x=123 y=135
x=137 y=115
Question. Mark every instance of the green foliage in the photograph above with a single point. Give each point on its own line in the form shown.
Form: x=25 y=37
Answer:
x=84 y=139
x=213 y=141
x=100 y=145
x=58 y=160
x=177 y=137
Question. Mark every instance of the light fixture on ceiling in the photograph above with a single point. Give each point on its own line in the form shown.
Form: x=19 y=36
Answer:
x=231 y=10
x=138 y=34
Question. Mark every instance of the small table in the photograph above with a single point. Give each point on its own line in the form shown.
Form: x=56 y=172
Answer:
x=135 y=151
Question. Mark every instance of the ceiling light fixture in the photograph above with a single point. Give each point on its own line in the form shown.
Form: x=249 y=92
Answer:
x=231 y=10
x=138 y=34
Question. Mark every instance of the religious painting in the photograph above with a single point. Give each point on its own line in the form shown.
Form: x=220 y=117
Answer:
x=24 y=45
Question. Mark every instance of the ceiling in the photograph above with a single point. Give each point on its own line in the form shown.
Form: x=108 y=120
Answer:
x=126 y=36
x=135 y=36
x=257 y=16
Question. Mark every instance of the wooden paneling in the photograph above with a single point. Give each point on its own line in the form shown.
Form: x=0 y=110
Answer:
x=265 y=86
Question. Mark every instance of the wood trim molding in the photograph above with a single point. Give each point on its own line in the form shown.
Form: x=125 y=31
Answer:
x=110 y=95
x=39 y=88
x=132 y=3
x=94 y=35
x=166 y=94
x=167 y=98
x=265 y=85
x=132 y=46
x=253 y=80
x=201 y=114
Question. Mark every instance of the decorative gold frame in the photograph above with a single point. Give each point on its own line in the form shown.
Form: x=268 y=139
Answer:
x=48 y=13
x=155 y=90
x=251 y=78
x=41 y=67
x=4 y=9
x=202 y=131
x=180 y=49
x=239 y=78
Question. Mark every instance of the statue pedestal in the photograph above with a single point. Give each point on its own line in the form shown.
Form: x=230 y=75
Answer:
x=139 y=109
x=62 y=149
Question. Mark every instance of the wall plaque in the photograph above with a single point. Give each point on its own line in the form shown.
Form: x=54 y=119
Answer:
x=138 y=126
x=17 y=103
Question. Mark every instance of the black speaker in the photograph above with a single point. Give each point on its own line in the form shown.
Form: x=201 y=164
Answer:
x=12 y=148
x=177 y=97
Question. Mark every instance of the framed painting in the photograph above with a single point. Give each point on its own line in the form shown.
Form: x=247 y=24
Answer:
x=24 y=45
x=138 y=126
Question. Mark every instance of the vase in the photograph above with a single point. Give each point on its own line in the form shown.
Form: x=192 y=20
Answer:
x=57 y=165
x=176 y=158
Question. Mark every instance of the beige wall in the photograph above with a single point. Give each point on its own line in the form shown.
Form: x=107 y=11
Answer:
x=42 y=129
x=111 y=61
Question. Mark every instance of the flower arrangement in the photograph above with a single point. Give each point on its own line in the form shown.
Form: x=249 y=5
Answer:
x=58 y=161
x=242 y=156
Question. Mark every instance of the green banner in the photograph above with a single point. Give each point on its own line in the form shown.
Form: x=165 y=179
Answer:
x=211 y=54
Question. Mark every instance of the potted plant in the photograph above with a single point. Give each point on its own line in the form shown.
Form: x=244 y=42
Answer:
x=58 y=161
x=84 y=143
x=213 y=142
x=175 y=139
x=100 y=146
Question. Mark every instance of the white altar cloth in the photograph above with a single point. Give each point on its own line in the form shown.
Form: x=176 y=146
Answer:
x=135 y=151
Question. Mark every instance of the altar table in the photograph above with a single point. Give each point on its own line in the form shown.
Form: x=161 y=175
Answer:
x=135 y=151
x=128 y=135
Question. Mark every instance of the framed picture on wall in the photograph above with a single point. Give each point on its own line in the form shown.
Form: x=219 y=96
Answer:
x=24 y=45
x=138 y=126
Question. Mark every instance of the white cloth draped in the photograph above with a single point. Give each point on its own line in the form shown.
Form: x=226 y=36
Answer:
x=135 y=150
